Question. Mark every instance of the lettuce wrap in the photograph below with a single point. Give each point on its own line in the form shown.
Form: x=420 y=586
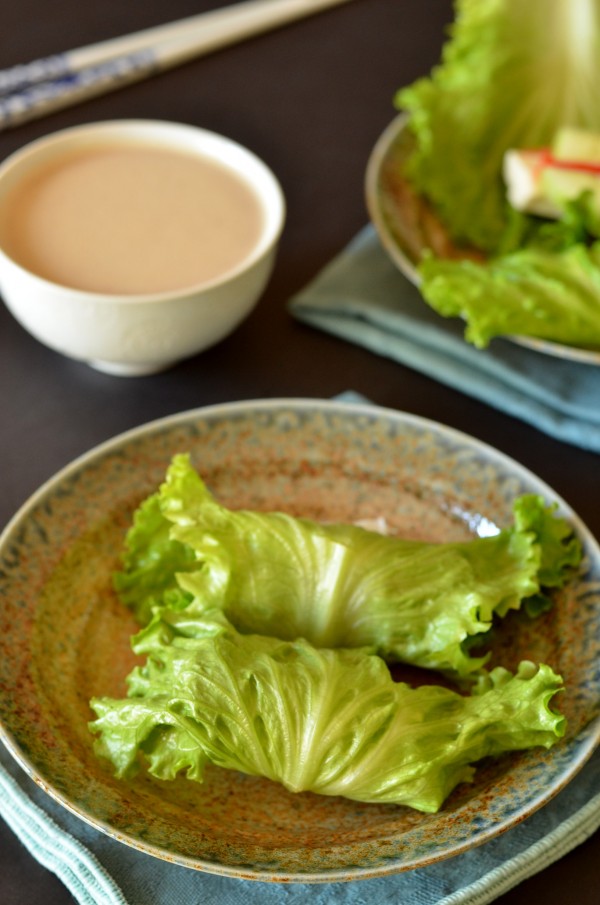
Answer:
x=327 y=721
x=339 y=585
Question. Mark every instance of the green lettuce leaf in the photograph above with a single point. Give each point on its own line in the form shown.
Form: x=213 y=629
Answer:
x=327 y=721
x=344 y=586
x=552 y=295
x=512 y=74
x=150 y=562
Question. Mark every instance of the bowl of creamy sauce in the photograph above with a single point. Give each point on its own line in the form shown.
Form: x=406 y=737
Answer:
x=133 y=244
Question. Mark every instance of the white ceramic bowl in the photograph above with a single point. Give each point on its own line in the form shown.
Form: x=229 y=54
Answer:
x=141 y=334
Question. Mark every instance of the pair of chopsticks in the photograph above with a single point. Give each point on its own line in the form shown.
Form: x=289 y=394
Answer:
x=35 y=89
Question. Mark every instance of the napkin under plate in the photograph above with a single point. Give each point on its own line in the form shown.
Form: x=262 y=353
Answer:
x=101 y=871
x=362 y=297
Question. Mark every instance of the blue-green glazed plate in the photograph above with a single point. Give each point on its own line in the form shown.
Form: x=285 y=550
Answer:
x=64 y=637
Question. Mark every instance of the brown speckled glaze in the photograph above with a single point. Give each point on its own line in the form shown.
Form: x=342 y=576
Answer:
x=64 y=637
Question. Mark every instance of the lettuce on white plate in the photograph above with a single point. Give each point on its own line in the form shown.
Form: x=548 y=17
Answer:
x=338 y=585
x=513 y=74
x=327 y=721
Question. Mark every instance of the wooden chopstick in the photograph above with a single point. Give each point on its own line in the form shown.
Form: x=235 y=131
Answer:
x=35 y=89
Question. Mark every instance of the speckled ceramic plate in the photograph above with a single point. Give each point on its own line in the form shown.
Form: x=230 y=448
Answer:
x=407 y=224
x=64 y=637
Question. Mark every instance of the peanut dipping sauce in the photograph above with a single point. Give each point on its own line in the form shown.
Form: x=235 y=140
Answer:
x=130 y=219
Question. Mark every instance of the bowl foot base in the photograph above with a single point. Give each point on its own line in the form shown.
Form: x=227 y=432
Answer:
x=122 y=369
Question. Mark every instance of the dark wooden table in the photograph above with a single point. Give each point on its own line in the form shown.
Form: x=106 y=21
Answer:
x=310 y=99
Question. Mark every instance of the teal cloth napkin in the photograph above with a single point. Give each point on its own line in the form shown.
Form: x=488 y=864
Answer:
x=362 y=297
x=100 y=871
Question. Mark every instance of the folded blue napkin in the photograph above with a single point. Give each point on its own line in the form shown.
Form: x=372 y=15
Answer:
x=362 y=297
x=100 y=871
